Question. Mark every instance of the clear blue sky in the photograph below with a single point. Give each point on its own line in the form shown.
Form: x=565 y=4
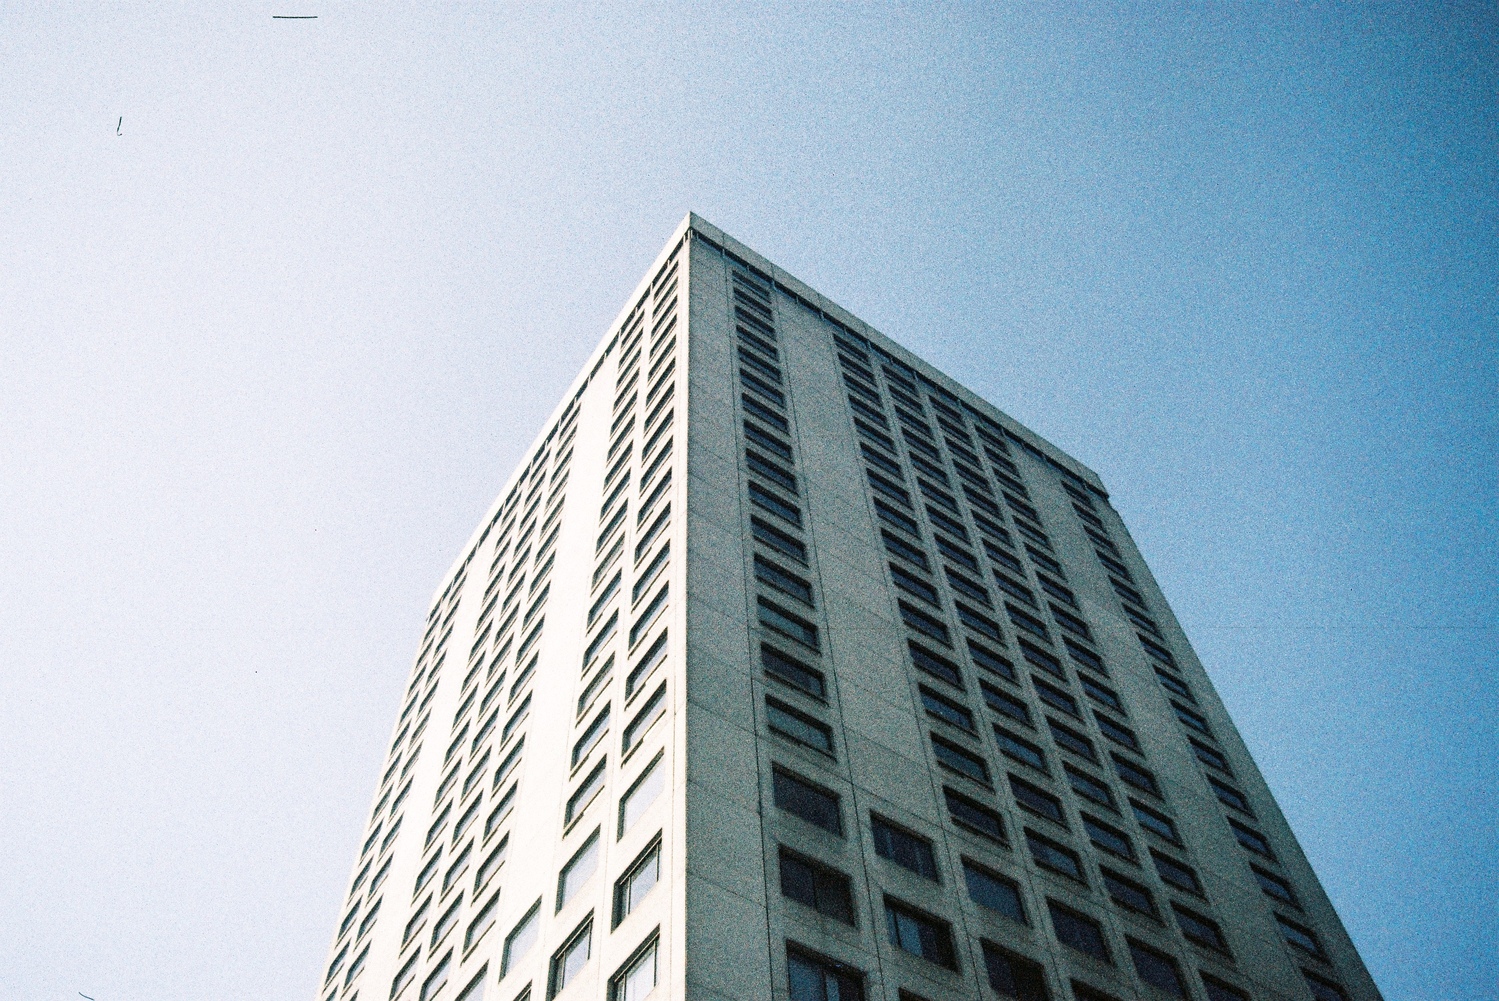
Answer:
x=270 y=345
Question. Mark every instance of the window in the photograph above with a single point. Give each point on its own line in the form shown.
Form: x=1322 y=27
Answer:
x=578 y=871
x=1082 y=992
x=641 y=795
x=778 y=540
x=369 y=919
x=1089 y=788
x=988 y=889
x=637 y=978
x=1040 y=658
x=812 y=978
x=428 y=871
x=458 y=868
x=1078 y=931
x=798 y=726
x=1211 y=756
x=1109 y=839
x=1013 y=976
x=1201 y=930
x=1157 y=969
x=1022 y=751
x=1050 y=855
x=1117 y=732
x=811 y=803
x=445 y=923
x=1136 y=776
x=980 y=624
x=587 y=791
x=595 y=685
x=1275 y=887
x=1037 y=801
x=824 y=890
x=1071 y=740
x=1176 y=873
x=482 y=922
x=783 y=580
x=1056 y=698
x=1100 y=694
x=647 y=576
x=1301 y=937
x=946 y=709
x=905 y=849
x=646 y=666
x=974 y=816
x=919 y=934
x=1217 y=990
x=915 y=586
x=793 y=672
x=767 y=500
x=1230 y=797
x=990 y=661
x=520 y=940
x=654 y=709
x=648 y=617
x=902 y=549
x=1323 y=990
x=924 y=624
x=475 y=989
x=1003 y=702
x=794 y=627
x=956 y=759
x=501 y=810
x=1252 y=840
x=568 y=961
x=1127 y=893
x=405 y=975
x=642 y=876
x=1155 y=823
x=1192 y=720
x=934 y=664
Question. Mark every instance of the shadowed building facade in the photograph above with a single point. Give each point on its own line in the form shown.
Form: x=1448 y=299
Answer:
x=786 y=667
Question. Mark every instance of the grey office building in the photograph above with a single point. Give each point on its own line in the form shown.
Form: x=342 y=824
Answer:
x=786 y=667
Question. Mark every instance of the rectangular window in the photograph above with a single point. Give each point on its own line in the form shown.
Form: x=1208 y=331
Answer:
x=520 y=940
x=1176 y=873
x=993 y=891
x=568 y=961
x=1078 y=931
x=915 y=586
x=1020 y=750
x=491 y=864
x=767 y=500
x=1133 y=774
x=1300 y=937
x=825 y=890
x=1156 y=823
x=578 y=870
x=459 y=865
x=591 y=736
x=1127 y=893
x=1037 y=801
x=925 y=624
x=1117 y=732
x=1276 y=887
x=904 y=550
x=1050 y=855
x=761 y=466
x=896 y=519
x=981 y=624
x=653 y=710
x=1211 y=757
x=1251 y=840
x=637 y=978
x=945 y=709
x=1071 y=740
x=812 y=978
x=475 y=989
x=1056 y=698
x=811 y=803
x=783 y=580
x=1230 y=797
x=648 y=617
x=1323 y=990
x=647 y=665
x=1217 y=990
x=794 y=627
x=1089 y=788
x=920 y=934
x=974 y=816
x=1027 y=623
x=798 y=726
x=642 y=876
x=935 y=665
x=905 y=849
x=778 y=540
x=447 y=921
x=1192 y=720
x=1109 y=839
x=962 y=761
x=759 y=410
x=1013 y=976
x=647 y=576
x=1157 y=969
x=793 y=672
x=1201 y=930
x=641 y=795
x=1006 y=704
x=405 y=975
x=586 y=792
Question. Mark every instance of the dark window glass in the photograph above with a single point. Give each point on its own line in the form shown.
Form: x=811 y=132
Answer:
x=1275 y=887
x=946 y=709
x=1012 y=976
x=905 y=849
x=1071 y=740
x=811 y=803
x=920 y=934
x=1118 y=733
x=778 y=540
x=1323 y=990
x=1004 y=702
x=798 y=726
x=1078 y=931
x=902 y=549
x=782 y=580
x=960 y=760
x=1251 y=840
x=1022 y=751
x=767 y=500
x=981 y=624
x=792 y=671
x=1090 y=788
x=1177 y=873
x=1136 y=776
x=974 y=816
x=1056 y=698
x=925 y=624
x=1155 y=823
x=1302 y=938
x=772 y=616
x=823 y=889
x=1217 y=990
x=1157 y=969
x=1050 y=855
x=1037 y=801
x=1040 y=658
x=987 y=889
x=991 y=661
x=1211 y=757
x=915 y=586
x=1127 y=893
x=1196 y=928
x=811 y=978
x=1109 y=839
x=1230 y=797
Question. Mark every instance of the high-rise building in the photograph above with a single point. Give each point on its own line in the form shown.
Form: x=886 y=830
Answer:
x=785 y=666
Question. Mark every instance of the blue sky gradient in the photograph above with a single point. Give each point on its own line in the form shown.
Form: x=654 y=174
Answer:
x=271 y=344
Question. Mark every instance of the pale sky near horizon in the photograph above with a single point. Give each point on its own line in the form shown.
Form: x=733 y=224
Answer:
x=282 y=303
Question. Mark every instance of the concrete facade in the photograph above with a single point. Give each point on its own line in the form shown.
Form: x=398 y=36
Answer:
x=784 y=666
